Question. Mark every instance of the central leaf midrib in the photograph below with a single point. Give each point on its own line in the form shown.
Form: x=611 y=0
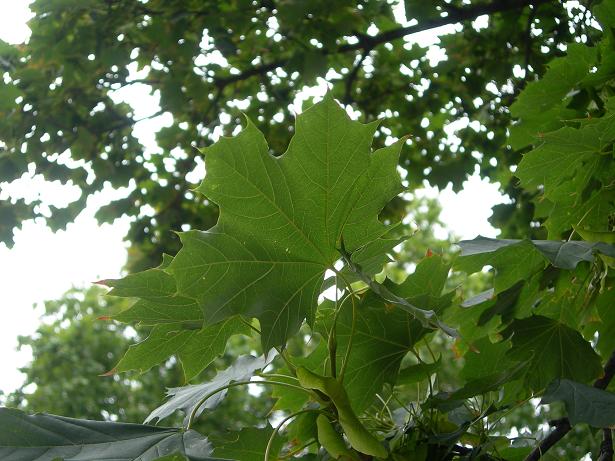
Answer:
x=280 y=210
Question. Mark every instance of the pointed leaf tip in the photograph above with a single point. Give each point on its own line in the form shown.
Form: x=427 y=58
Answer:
x=103 y=282
x=111 y=372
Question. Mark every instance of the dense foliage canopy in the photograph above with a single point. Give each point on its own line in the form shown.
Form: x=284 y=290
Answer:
x=63 y=118
x=360 y=359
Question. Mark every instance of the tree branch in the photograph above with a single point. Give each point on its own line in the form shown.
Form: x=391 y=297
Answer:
x=562 y=426
x=256 y=70
x=366 y=43
x=528 y=37
x=455 y=16
x=351 y=78
x=609 y=372
x=606 y=447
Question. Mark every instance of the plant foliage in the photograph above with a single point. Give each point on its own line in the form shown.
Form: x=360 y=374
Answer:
x=369 y=381
x=207 y=60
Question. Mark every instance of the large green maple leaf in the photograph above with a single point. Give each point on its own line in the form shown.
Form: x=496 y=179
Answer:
x=283 y=219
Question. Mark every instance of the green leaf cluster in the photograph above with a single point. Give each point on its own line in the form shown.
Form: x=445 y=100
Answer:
x=362 y=365
x=209 y=61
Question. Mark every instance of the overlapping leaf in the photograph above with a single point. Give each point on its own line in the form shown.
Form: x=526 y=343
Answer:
x=249 y=444
x=289 y=399
x=158 y=301
x=47 y=437
x=541 y=106
x=196 y=349
x=513 y=260
x=554 y=351
x=177 y=324
x=503 y=252
x=481 y=385
x=584 y=404
x=382 y=338
x=568 y=164
x=485 y=358
x=419 y=372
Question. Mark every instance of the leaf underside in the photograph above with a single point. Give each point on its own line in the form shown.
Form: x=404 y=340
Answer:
x=281 y=219
x=47 y=437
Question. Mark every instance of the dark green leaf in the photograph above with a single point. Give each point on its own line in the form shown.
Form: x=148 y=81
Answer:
x=384 y=332
x=565 y=255
x=485 y=358
x=47 y=437
x=513 y=260
x=554 y=351
x=249 y=444
x=490 y=382
x=584 y=404
x=540 y=104
x=419 y=372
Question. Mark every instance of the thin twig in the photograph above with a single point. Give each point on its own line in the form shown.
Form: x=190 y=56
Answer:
x=280 y=352
x=367 y=42
x=528 y=38
x=352 y=77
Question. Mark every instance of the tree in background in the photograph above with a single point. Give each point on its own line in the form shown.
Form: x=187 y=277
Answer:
x=210 y=60
x=74 y=348
x=71 y=350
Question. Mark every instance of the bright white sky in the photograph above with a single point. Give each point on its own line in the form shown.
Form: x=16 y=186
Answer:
x=43 y=265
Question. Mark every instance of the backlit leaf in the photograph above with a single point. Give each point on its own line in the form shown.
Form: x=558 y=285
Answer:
x=196 y=348
x=284 y=218
x=554 y=351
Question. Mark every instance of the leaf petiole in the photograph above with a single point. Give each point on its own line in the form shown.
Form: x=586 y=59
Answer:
x=352 y=329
